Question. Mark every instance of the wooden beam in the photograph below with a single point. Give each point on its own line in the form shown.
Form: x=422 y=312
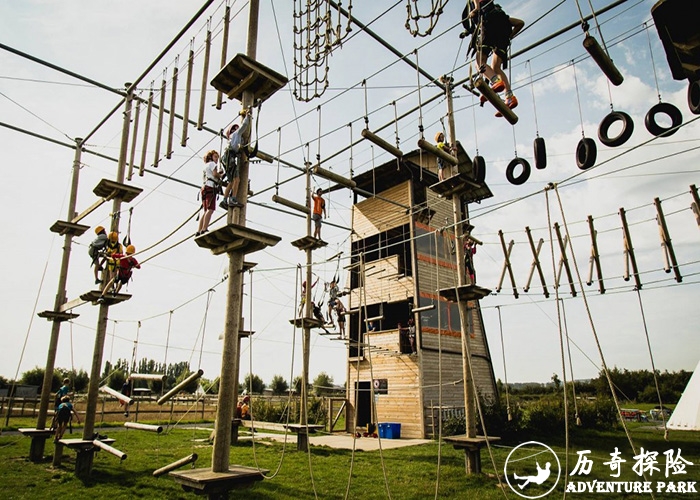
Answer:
x=291 y=204
x=431 y=148
x=535 y=263
x=172 y=392
x=564 y=260
x=175 y=465
x=595 y=258
x=109 y=449
x=629 y=252
x=71 y=304
x=332 y=176
x=374 y=138
x=483 y=87
x=89 y=210
x=506 y=264
x=144 y=427
x=666 y=244
x=121 y=397
x=695 y=205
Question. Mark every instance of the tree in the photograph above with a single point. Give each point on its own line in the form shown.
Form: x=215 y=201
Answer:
x=256 y=387
x=556 y=381
x=323 y=384
x=278 y=385
x=35 y=376
x=296 y=384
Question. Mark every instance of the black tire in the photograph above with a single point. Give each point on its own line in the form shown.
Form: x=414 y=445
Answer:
x=623 y=136
x=668 y=109
x=540 y=153
x=524 y=175
x=479 y=169
x=694 y=97
x=586 y=153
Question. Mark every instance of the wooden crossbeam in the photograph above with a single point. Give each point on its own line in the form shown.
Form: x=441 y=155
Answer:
x=564 y=261
x=483 y=87
x=629 y=252
x=595 y=258
x=506 y=264
x=666 y=244
x=535 y=263
x=374 y=138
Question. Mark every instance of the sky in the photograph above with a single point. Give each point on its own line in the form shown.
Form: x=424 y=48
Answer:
x=173 y=316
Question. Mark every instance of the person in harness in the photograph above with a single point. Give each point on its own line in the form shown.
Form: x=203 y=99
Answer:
x=496 y=31
x=62 y=417
x=212 y=176
x=96 y=251
x=231 y=160
x=113 y=247
x=125 y=264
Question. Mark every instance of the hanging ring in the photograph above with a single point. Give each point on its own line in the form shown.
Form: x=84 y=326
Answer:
x=586 y=152
x=524 y=175
x=623 y=136
x=663 y=108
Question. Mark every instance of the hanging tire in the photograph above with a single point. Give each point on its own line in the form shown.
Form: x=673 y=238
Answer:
x=694 y=97
x=524 y=175
x=586 y=153
x=540 y=153
x=479 y=169
x=623 y=136
x=668 y=109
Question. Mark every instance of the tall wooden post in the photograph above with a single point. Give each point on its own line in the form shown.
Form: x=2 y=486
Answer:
x=37 y=448
x=306 y=342
x=83 y=464
x=465 y=316
x=230 y=359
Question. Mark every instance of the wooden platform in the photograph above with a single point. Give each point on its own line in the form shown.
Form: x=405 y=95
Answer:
x=57 y=315
x=37 y=433
x=307 y=323
x=236 y=238
x=309 y=243
x=472 y=447
x=109 y=299
x=111 y=189
x=84 y=444
x=243 y=73
x=462 y=185
x=63 y=228
x=205 y=481
x=465 y=292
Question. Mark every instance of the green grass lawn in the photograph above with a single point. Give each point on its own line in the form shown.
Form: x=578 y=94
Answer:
x=407 y=473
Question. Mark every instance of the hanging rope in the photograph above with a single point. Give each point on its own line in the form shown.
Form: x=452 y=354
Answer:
x=561 y=341
x=653 y=65
x=653 y=365
x=578 y=98
x=414 y=18
x=528 y=63
x=505 y=371
x=279 y=147
x=571 y=365
x=420 y=102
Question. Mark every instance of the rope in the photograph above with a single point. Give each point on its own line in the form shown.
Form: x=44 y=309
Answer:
x=578 y=98
x=653 y=366
x=534 y=105
x=571 y=365
x=505 y=371
x=595 y=336
x=653 y=66
x=561 y=343
x=420 y=103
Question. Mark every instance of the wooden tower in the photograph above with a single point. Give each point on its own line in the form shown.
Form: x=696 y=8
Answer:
x=403 y=254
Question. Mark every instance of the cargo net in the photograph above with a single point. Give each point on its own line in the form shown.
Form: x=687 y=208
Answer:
x=414 y=17
x=315 y=37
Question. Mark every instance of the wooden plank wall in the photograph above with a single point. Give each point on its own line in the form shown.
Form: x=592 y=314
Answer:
x=372 y=216
x=381 y=289
x=402 y=403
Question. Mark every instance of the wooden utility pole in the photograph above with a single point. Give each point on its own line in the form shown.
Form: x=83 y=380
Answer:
x=465 y=316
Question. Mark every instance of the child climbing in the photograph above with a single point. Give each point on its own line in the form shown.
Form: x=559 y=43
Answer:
x=126 y=391
x=62 y=417
x=125 y=264
x=96 y=251
x=441 y=144
x=231 y=160
x=62 y=392
x=212 y=176
x=302 y=302
x=113 y=247
x=496 y=32
x=333 y=293
x=412 y=335
x=340 y=312
x=469 y=251
x=319 y=212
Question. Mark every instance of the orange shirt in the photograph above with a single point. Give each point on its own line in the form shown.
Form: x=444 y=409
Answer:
x=319 y=204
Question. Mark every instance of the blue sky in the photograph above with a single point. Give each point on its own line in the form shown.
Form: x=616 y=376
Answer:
x=114 y=45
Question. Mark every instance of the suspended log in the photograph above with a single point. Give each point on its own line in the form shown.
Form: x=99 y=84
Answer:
x=595 y=256
x=159 y=131
x=144 y=427
x=264 y=156
x=188 y=92
x=109 y=449
x=180 y=386
x=695 y=205
x=224 y=47
x=483 y=87
x=374 y=138
x=666 y=245
x=432 y=148
x=602 y=59
x=147 y=376
x=171 y=120
x=205 y=79
x=132 y=155
x=175 y=465
x=291 y=204
x=332 y=176
x=423 y=309
x=146 y=130
x=121 y=397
